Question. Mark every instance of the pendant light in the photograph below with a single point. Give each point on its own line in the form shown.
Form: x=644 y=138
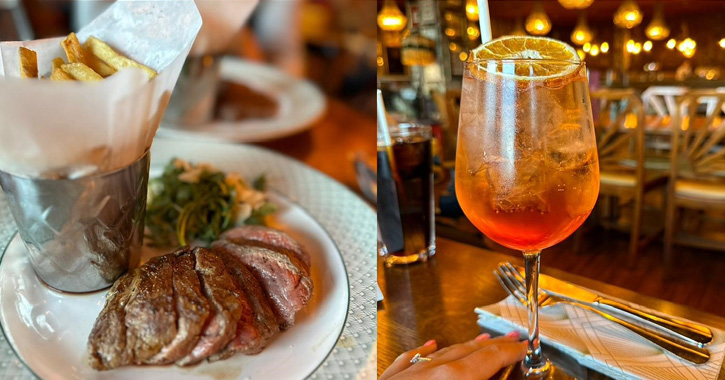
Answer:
x=472 y=10
x=538 y=23
x=575 y=4
x=687 y=46
x=581 y=33
x=390 y=18
x=594 y=51
x=628 y=15
x=657 y=28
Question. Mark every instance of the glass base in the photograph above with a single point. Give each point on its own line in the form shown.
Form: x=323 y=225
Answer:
x=538 y=372
x=518 y=371
x=402 y=259
x=561 y=366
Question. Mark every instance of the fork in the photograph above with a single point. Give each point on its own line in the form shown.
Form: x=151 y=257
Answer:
x=514 y=286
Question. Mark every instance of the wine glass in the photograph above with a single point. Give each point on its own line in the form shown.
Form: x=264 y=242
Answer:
x=527 y=173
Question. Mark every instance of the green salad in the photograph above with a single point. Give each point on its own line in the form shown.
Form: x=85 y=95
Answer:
x=198 y=202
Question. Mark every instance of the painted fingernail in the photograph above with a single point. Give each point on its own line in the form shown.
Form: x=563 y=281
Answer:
x=483 y=336
x=513 y=334
x=429 y=343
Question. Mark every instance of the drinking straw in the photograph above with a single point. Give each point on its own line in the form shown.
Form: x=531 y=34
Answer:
x=383 y=120
x=484 y=21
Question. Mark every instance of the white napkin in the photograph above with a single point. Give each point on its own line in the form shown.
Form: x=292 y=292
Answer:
x=602 y=345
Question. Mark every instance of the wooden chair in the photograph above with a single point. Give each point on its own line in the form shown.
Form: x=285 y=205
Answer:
x=660 y=106
x=697 y=175
x=662 y=102
x=620 y=139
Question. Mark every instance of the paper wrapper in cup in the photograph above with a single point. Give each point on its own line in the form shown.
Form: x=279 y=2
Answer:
x=71 y=129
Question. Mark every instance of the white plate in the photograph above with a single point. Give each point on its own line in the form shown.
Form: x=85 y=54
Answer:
x=300 y=104
x=48 y=330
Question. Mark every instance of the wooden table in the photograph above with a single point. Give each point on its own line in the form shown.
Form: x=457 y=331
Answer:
x=330 y=144
x=435 y=300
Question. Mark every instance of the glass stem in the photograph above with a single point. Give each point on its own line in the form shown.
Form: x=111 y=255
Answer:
x=535 y=362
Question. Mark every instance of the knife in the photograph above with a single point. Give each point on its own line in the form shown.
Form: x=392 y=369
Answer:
x=697 y=334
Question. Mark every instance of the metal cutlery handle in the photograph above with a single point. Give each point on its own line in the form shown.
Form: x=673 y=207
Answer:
x=683 y=350
x=698 y=334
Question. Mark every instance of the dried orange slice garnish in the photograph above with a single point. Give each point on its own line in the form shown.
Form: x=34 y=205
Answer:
x=544 y=58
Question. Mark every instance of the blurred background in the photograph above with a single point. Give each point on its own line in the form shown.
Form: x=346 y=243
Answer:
x=330 y=42
x=656 y=74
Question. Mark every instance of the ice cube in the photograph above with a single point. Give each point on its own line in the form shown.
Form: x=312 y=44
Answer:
x=518 y=185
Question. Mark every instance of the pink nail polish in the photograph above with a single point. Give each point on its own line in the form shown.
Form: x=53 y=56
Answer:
x=483 y=336
x=513 y=334
x=429 y=343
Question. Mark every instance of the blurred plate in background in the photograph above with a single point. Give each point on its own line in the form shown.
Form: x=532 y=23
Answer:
x=299 y=103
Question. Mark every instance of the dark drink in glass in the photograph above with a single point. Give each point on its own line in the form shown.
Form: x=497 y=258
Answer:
x=405 y=195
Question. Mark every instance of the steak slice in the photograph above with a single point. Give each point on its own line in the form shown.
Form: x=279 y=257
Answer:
x=151 y=313
x=288 y=286
x=255 y=330
x=191 y=306
x=107 y=341
x=226 y=306
x=270 y=238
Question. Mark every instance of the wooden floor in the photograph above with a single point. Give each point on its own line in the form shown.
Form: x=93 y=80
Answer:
x=698 y=280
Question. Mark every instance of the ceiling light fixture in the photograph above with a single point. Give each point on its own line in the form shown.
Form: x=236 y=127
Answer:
x=657 y=28
x=628 y=15
x=581 y=33
x=390 y=18
x=538 y=22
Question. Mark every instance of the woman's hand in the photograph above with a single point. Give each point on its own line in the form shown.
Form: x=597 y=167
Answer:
x=477 y=359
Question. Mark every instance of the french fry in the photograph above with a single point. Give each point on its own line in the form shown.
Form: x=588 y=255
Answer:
x=78 y=54
x=57 y=72
x=28 y=63
x=58 y=62
x=81 y=72
x=106 y=54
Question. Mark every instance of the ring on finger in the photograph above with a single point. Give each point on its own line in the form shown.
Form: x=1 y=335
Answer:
x=418 y=358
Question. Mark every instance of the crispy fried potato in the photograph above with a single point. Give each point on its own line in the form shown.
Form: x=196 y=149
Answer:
x=81 y=72
x=58 y=62
x=57 y=72
x=106 y=54
x=28 y=63
x=78 y=54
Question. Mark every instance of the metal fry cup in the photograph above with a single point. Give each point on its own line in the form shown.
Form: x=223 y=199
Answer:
x=81 y=233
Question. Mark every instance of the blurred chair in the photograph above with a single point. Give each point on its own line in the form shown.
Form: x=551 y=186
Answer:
x=697 y=177
x=660 y=104
x=623 y=179
x=663 y=101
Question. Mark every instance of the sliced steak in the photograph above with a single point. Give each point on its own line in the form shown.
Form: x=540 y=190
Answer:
x=107 y=341
x=255 y=330
x=226 y=305
x=287 y=285
x=191 y=306
x=151 y=313
x=268 y=238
